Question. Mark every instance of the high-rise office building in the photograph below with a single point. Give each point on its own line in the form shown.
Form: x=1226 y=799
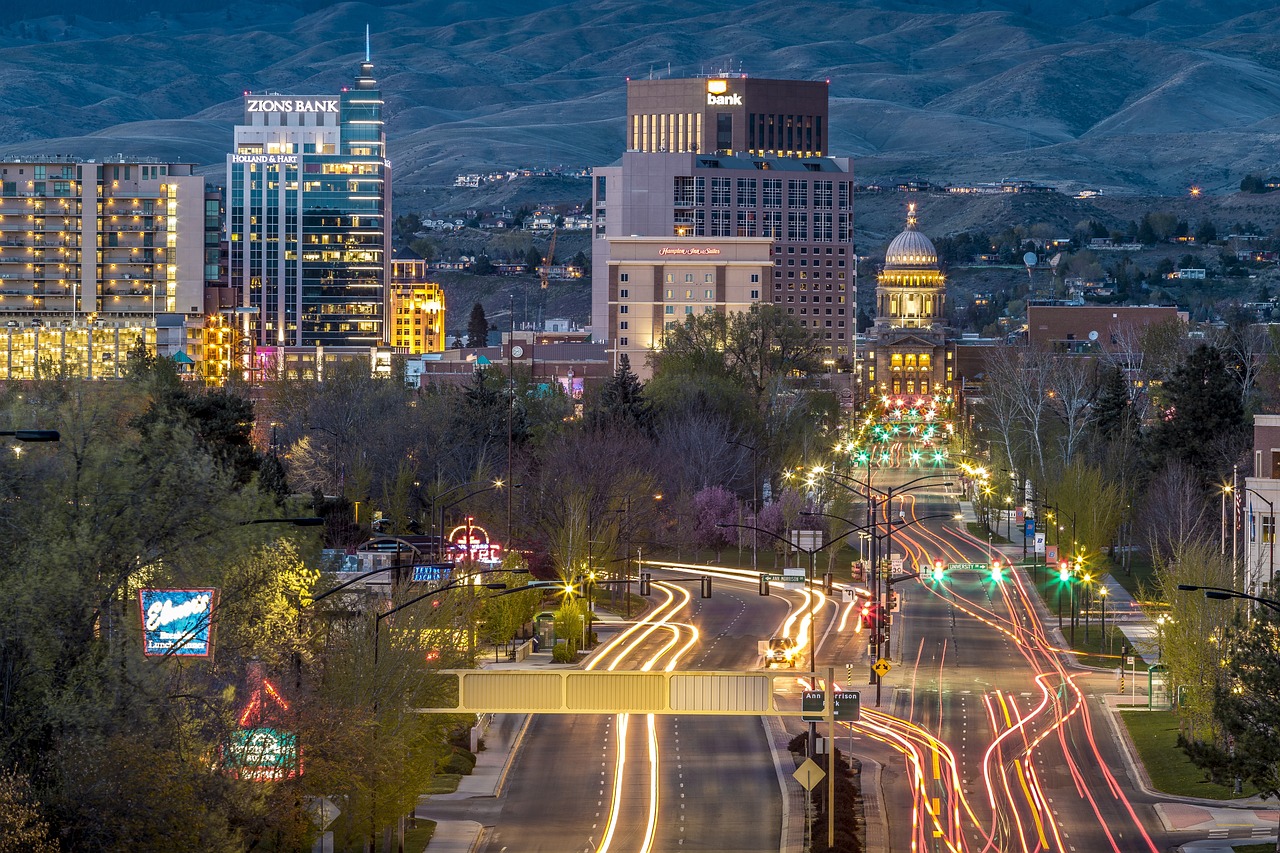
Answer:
x=95 y=257
x=309 y=204
x=744 y=161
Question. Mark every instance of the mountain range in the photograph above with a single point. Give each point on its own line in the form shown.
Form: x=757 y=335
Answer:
x=1125 y=97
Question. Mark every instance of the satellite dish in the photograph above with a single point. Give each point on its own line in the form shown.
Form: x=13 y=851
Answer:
x=1030 y=259
x=1093 y=336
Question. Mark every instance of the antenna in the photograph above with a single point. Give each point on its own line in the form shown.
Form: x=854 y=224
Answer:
x=366 y=43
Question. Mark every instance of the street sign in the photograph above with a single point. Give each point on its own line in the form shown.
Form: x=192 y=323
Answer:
x=813 y=702
x=882 y=667
x=323 y=812
x=970 y=567
x=847 y=705
x=809 y=774
x=1040 y=540
x=896 y=562
x=788 y=581
x=1030 y=528
x=846 y=595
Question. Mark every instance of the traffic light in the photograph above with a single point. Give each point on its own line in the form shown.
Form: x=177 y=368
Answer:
x=646 y=583
x=828 y=584
x=939 y=571
x=891 y=600
x=871 y=616
x=764 y=585
x=706 y=586
x=996 y=570
x=1064 y=571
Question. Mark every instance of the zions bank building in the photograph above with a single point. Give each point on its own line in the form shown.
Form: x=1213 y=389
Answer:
x=307 y=217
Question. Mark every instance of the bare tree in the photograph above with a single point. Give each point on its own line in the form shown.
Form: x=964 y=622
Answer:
x=1175 y=513
x=1072 y=388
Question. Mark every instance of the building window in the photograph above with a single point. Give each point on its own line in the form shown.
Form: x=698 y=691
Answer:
x=708 y=294
x=797 y=225
x=670 y=309
x=688 y=309
x=746 y=223
x=1268 y=529
x=797 y=193
x=626 y=276
x=688 y=277
x=822 y=227
x=755 y=278
x=746 y=196
x=683 y=191
x=772 y=193
x=670 y=278
x=755 y=294
x=623 y=293
x=722 y=223
x=624 y=309
x=772 y=224
x=623 y=325
x=622 y=342
x=720 y=192
x=822 y=194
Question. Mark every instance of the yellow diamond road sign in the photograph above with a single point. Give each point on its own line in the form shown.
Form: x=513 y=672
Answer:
x=882 y=667
x=809 y=774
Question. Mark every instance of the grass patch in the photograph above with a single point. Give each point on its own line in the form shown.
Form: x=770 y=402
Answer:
x=980 y=531
x=443 y=783
x=417 y=838
x=1141 y=573
x=1155 y=734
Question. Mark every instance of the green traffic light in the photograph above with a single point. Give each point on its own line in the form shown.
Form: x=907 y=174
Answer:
x=938 y=575
x=1064 y=575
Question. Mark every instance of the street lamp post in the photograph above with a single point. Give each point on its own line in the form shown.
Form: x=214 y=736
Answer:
x=498 y=484
x=755 y=494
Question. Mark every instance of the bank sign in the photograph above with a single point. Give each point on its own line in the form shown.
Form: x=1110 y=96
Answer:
x=254 y=104
x=177 y=621
x=718 y=95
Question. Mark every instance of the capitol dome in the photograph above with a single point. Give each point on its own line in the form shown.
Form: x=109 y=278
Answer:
x=911 y=248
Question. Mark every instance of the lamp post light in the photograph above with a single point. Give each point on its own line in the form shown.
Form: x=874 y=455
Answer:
x=497 y=484
x=1102 y=600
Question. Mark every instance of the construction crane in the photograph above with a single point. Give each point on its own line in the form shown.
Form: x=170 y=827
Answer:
x=544 y=273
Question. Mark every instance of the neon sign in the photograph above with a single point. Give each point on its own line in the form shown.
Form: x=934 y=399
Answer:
x=689 y=251
x=177 y=621
x=256 y=752
x=471 y=542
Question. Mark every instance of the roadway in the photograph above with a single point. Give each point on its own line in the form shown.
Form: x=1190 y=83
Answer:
x=637 y=783
x=988 y=741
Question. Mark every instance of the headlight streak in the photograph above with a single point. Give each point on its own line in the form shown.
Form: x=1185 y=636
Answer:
x=1032 y=641
x=637 y=633
x=612 y=824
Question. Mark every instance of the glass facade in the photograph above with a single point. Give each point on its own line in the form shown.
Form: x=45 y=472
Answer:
x=308 y=218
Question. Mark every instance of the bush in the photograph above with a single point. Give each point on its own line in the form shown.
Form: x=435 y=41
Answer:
x=564 y=653
x=459 y=761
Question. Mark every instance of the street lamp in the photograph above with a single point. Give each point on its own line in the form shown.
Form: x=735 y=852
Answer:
x=497 y=484
x=1218 y=593
x=755 y=497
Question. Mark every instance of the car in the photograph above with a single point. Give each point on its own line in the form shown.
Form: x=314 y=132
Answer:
x=781 y=650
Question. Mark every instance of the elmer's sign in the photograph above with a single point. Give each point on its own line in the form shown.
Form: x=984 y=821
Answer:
x=177 y=621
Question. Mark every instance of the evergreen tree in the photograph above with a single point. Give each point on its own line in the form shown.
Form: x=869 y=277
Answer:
x=477 y=327
x=1112 y=412
x=1203 y=420
x=1206 y=232
x=622 y=401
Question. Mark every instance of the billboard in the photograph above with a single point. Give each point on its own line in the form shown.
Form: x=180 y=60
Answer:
x=432 y=572
x=177 y=621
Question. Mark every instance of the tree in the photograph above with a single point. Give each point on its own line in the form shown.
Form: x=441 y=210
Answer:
x=582 y=262
x=1112 y=411
x=22 y=828
x=533 y=259
x=713 y=506
x=483 y=266
x=1244 y=704
x=477 y=327
x=1206 y=232
x=1203 y=421
x=1253 y=184
x=621 y=400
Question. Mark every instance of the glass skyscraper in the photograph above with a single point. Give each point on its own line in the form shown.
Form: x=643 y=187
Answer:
x=308 y=211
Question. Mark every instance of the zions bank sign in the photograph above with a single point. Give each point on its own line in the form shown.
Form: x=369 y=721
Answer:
x=718 y=95
x=253 y=104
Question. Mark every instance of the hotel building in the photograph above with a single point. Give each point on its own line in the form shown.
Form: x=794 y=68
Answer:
x=721 y=159
x=95 y=257
x=308 y=207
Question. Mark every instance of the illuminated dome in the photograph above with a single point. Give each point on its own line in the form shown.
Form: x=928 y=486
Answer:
x=911 y=248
